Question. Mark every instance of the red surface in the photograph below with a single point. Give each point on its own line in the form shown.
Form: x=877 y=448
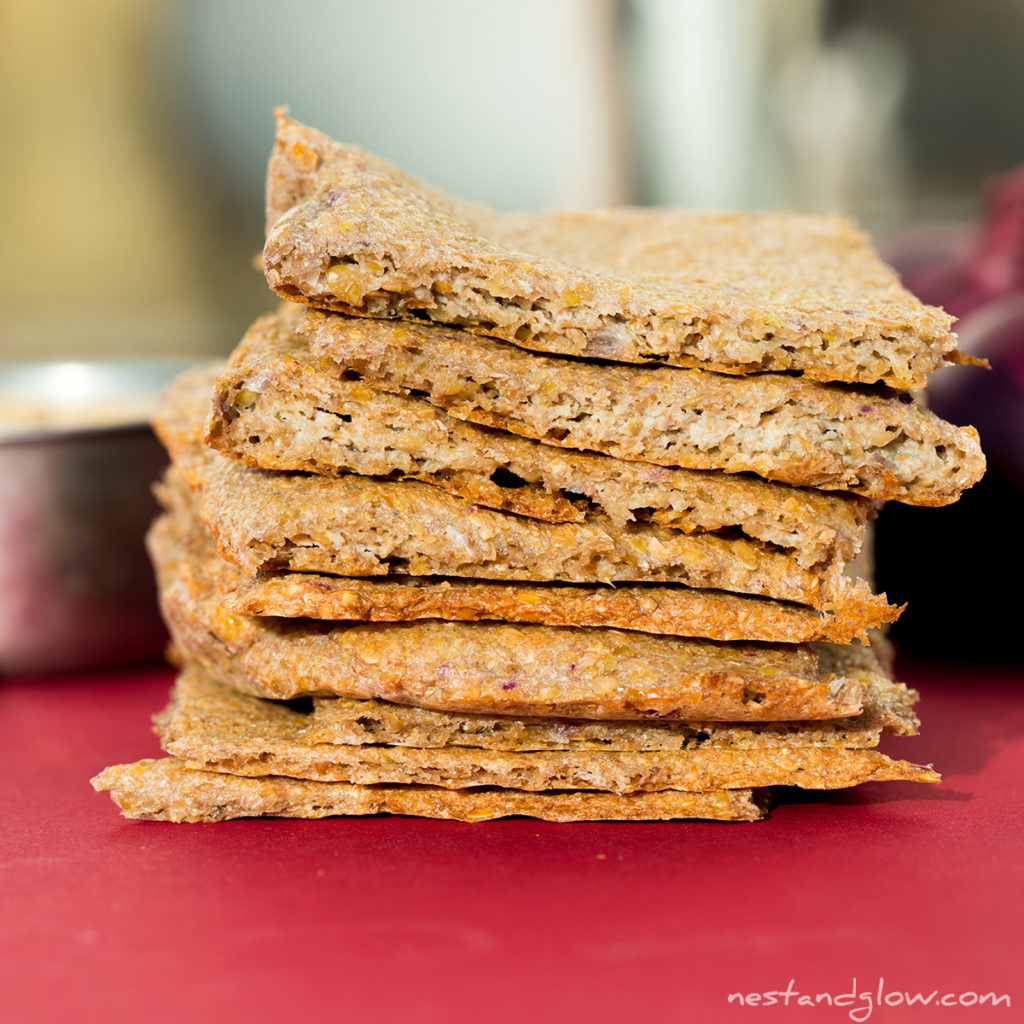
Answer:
x=387 y=919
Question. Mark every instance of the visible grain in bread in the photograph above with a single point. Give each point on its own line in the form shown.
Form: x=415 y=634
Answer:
x=875 y=443
x=888 y=707
x=279 y=407
x=362 y=526
x=648 y=608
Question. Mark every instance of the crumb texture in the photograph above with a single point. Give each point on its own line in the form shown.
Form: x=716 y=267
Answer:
x=495 y=668
x=874 y=443
x=279 y=407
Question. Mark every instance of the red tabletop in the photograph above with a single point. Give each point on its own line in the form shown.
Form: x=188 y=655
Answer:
x=913 y=888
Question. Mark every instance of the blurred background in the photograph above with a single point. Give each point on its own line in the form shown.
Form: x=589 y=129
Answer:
x=135 y=136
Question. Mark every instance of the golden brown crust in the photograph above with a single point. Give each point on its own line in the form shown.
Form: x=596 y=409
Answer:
x=497 y=669
x=875 y=443
x=647 y=608
x=167 y=790
x=888 y=707
x=731 y=292
x=212 y=727
x=887 y=704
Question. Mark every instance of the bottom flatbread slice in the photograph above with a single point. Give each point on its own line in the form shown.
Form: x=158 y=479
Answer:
x=212 y=727
x=167 y=790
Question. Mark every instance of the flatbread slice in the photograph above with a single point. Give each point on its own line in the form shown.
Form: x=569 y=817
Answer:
x=167 y=790
x=888 y=707
x=875 y=443
x=364 y=526
x=529 y=670
x=734 y=293
x=277 y=407
x=646 y=608
x=213 y=727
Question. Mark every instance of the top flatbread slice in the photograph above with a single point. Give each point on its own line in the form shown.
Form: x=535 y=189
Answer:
x=736 y=293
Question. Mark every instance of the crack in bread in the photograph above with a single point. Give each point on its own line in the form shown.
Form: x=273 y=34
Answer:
x=361 y=526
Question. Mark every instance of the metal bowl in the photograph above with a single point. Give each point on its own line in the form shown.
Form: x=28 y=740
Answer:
x=77 y=464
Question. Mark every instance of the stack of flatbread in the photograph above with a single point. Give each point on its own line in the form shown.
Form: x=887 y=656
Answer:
x=560 y=515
